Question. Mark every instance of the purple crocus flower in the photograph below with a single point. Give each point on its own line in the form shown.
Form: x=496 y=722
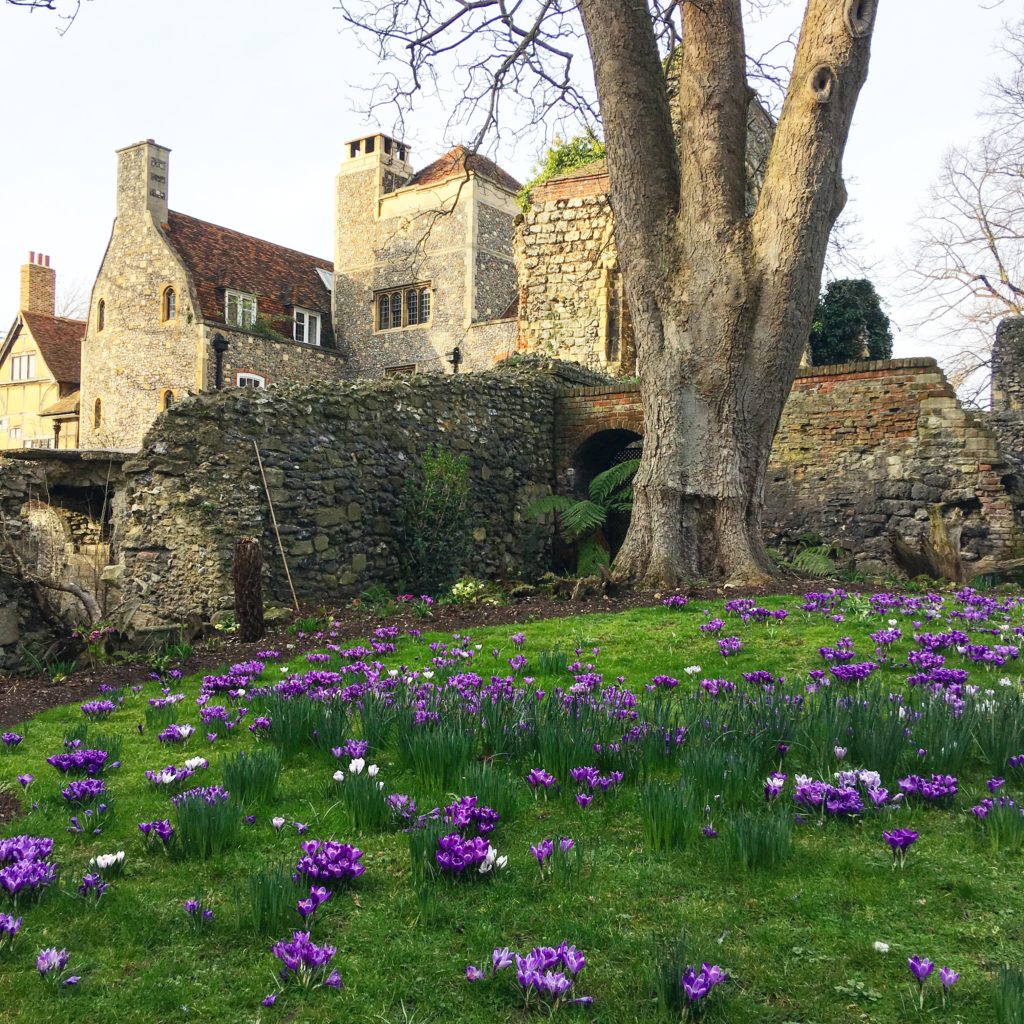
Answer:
x=900 y=840
x=52 y=961
x=269 y=1000
x=584 y=800
x=948 y=977
x=920 y=969
x=26 y=780
x=474 y=973
x=10 y=740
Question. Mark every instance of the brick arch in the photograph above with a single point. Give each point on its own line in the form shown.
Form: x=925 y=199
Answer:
x=582 y=413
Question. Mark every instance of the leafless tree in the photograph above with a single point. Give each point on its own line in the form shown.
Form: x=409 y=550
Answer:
x=966 y=268
x=722 y=301
x=73 y=300
x=66 y=11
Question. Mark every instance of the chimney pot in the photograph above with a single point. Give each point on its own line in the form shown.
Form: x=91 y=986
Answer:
x=31 y=257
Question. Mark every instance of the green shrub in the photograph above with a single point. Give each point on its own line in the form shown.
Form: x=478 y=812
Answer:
x=434 y=534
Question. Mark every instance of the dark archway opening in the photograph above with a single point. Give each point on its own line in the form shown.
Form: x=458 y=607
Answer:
x=599 y=452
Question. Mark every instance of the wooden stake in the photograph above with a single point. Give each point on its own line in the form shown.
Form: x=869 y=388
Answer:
x=277 y=532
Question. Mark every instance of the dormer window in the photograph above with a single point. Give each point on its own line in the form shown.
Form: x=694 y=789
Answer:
x=169 y=305
x=239 y=309
x=306 y=326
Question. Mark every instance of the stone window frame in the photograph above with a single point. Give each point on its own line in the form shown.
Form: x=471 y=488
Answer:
x=168 y=304
x=240 y=299
x=168 y=397
x=23 y=367
x=249 y=379
x=101 y=314
x=419 y=289
x=97 y=414
x=302 y=311
x=405 y=370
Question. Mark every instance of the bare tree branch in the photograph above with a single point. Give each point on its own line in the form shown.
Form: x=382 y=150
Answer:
x=53 y=5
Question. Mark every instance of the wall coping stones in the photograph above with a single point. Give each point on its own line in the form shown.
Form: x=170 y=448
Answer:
x=868 y=366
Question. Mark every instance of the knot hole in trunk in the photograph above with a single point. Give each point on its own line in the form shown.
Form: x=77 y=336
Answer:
x=823 y=81
x=860 y=17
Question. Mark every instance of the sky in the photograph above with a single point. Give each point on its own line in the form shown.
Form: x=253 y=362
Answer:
x=257 y=98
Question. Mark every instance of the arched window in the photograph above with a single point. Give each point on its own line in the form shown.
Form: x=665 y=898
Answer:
x=396 y=309
x=101 y=315
x=169 y=308
x=424 y=305
x=166 y=399
x=97 y=415
x=383 y=313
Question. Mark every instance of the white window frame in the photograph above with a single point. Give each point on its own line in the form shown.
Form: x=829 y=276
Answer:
x=23 y=367
x=14 y=433
x=302 y=320
x=240 y=299
x=250 y=380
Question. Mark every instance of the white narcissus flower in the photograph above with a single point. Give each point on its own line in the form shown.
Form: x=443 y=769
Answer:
x=372 y=771
x=339 y=776
x=356 y=765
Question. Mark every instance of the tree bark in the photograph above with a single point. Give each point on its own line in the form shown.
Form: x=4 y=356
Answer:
x=722 y=303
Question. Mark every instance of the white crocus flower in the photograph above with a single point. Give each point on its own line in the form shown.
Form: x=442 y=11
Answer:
x=692 y=670
x=339 y=776
x=882 y=947
x=278 y=823
x=372 y=771
x=356 y=765
x=195 y=763
x=107 y=860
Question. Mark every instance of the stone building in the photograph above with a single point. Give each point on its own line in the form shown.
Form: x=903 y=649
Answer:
x=39 y=366
x=181 y=305
x=425 y=277
x=571 y=299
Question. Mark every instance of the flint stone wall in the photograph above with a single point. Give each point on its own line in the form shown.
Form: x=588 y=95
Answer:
x=337 y=461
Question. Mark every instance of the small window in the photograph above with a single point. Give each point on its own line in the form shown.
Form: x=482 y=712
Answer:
x=101 y=315
x=14 y=433
x=23 y=367
x=406 y=307
x=306 y=327
x=166 y=399
x=240 y=309
x=170 y=305
x=251 y=380
x=97 y=415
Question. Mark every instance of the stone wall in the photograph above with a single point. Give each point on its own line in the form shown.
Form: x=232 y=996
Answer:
x=868 y=449
x=863 y=450
x=495 y=280
x=1008 y=366
x=566 y=258
x=337 y=461
x=53 y=510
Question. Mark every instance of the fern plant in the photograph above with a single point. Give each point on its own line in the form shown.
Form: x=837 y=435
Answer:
x=580 y=519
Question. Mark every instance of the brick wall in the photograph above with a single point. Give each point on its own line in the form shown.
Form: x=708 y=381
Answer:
x=862 y=450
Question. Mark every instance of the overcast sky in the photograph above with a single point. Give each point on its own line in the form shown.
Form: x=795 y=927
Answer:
x=256 y=98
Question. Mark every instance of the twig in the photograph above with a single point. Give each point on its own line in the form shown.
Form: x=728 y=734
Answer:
x=277 y=532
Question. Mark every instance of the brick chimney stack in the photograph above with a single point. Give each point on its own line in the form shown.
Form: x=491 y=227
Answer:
x=38 y=285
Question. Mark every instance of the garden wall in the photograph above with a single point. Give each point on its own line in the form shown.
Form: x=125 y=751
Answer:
x=338 y=458
x=866 y=450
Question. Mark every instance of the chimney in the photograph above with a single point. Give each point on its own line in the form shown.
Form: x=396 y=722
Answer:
x=38 y=285
x=142 y=175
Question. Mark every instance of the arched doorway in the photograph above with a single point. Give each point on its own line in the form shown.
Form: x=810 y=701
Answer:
x=597 y=453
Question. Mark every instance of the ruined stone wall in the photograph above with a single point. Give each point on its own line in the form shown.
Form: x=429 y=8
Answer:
x=868 y=449
x=337 y=459
x=565 y=253
x=51 y=512
x=1008 y=366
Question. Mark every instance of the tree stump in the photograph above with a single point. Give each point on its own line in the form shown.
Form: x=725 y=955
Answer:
x=248 y=578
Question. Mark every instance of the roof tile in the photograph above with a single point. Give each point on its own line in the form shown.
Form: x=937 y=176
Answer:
x=60 y=343
x=456 y=162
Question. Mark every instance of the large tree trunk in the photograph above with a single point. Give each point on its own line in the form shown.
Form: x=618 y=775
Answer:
x=722 y=303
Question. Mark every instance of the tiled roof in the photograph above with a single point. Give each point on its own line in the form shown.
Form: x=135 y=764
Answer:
x=66 y=406
x=456 y=162
x=219 y=258
x=60 y=343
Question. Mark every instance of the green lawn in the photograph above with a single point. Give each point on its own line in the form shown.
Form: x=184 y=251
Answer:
x=798 y=939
